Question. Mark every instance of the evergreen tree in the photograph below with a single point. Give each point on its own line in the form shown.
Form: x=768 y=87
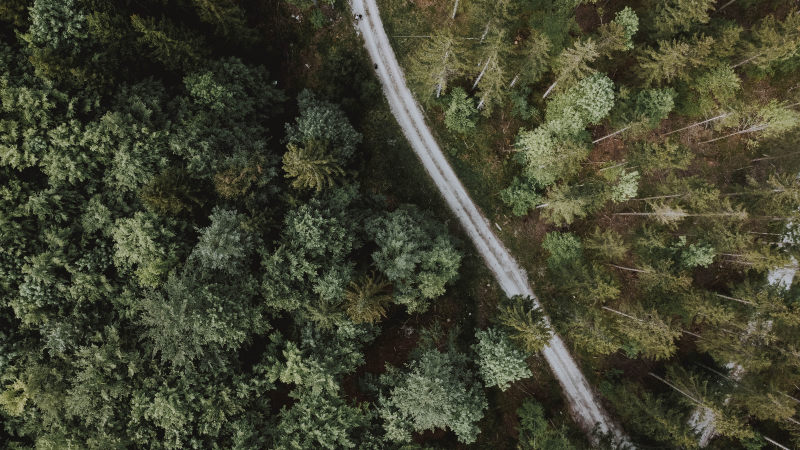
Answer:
x=499 y=362
x=310 y=166
x=437 y=391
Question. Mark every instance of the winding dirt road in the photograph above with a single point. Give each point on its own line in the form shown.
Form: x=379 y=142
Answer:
x=584 y=405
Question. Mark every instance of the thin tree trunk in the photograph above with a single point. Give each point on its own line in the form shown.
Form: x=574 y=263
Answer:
x=480 y=75
x=677 y=389
x=774 y=157
x=721 y=116
x=455 y=7
x=514 y=81
x=630 y=269
x=752 y=129
x=681 y=214
x=543 y=205
x=783 y=447
x=746 y=61
x=547 y=92
x=657 y=197
x=612 y=167
x=610 y=135
x=485 y=32
x=735 y=299
x=443 y=72
x=622 y=313
x=480 y=103
x=725 y=6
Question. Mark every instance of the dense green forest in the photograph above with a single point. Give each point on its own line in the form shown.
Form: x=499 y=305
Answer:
x=212 y=235
x=642 y=160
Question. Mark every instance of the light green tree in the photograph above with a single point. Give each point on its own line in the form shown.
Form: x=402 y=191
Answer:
x=500 y=363
x=415 y=254
x=460 y=115
x=525 y=323
x=310 y=166
x=436 y=391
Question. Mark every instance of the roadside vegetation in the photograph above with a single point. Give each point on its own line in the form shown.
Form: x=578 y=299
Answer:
x=640 y=160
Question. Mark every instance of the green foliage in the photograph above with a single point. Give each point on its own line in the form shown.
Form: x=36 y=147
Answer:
x=650 y=415
x=171 y=193
x=536 y=433
x=436 y=391
x=225 y=244
x=629 y=21
x=521 y=196
x=147 y=244
x=500 y=363
x=319 y=421
x=626 y=188
x=174 y=47
x=587 y=103
x=526 y=324
x=437 y=61
x=654 y=105
x=415 y=254
x=310 y=166
x=674 y=16
x=58 y=24
x=565 y=250
x=693 y=255
x=321 y=121
x=367 y=299
x=460 y=115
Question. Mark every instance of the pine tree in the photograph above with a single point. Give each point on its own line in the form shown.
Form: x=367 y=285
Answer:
x=437 y=61
x=525 y=323
x=534 y=60
x=174 y=47
x=311 y=166
x=573 y=64
x=499 y=362
x=674 y=16
x=772 y=42
x=367 y=298
x=673 y=60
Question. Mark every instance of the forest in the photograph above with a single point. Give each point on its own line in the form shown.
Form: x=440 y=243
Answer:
x=213 y=233
x=641 y=159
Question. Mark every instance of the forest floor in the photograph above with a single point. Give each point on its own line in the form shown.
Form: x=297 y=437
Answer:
x=582 y=401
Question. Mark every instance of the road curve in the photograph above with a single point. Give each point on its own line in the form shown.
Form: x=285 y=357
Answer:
x=583 y=403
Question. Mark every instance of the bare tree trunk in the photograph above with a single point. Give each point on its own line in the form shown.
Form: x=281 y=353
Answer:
x=745 y=61
x=480 y=103
x=622 y=314
x=514 y=81
x=657 y=197
x=752 y=129
x=547 y=92
x=774 y=157
x=480 y=75
x=697 y=124
x=775 y=443
x=442 y=74
x=612 y=167
x=735 y=299
x=630 y=269
x=455 y=7
x=610 y=135
x=485 y=32
x=677 y=389
x=725 y=6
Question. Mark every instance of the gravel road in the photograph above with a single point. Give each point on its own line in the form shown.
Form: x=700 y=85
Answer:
x=584 y=404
